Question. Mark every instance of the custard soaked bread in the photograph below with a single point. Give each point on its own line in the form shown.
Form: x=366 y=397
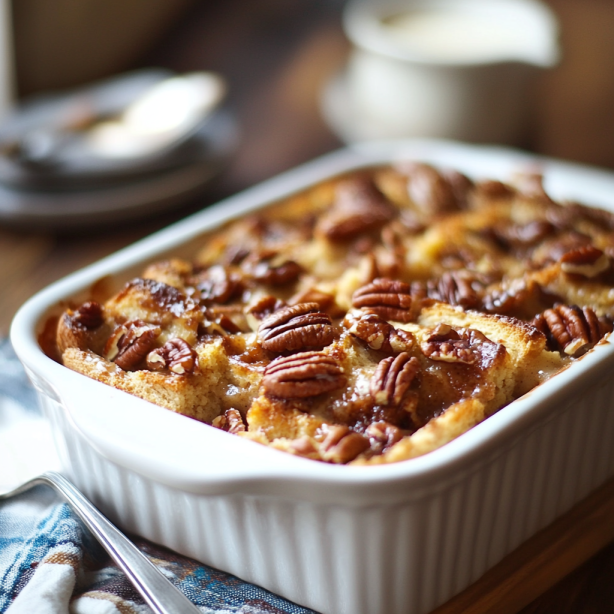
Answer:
x=369 y=319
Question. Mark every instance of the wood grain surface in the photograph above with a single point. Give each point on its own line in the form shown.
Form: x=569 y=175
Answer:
x=541 y=562
x=277 y=55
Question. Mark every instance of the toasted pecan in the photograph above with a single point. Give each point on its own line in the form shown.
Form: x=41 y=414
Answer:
x=325 y=301
x=230 y=421
x=89 y=314
x=455 y=288
x=176 y=355
x=572 y=329
x=285 y=272
x=265 y=306
x=555 y=248
x=387 y=298
x=341 y=445
x=218 y=284
x=435 y=192
x=130 y=343
x=75 y=328
x=382 y=435
x=587 y=261
x=446 y=344
x=298 y=327
x=392 y=379
x=492 y=189
x=359 y=207
x=302 y=375
x=516 y=236
x=379 y=334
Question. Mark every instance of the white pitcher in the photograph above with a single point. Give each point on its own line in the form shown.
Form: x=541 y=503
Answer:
x=458 y=69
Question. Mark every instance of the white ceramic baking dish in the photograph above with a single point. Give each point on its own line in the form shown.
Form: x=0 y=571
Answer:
x=401 y=538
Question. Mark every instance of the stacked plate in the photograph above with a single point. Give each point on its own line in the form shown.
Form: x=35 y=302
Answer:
x=115 y=150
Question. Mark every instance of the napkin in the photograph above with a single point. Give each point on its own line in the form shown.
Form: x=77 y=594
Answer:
x=51 y=564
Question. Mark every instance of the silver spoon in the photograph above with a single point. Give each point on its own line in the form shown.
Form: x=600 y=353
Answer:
x=159 y=594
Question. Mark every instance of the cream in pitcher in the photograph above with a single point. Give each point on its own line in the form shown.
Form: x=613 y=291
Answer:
x=447 y=68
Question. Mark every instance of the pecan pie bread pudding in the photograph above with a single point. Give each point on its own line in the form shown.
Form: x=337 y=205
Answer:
x=369 y=319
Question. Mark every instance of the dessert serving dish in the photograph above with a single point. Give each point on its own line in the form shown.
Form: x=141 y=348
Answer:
x=368 y=319
x=409 y=521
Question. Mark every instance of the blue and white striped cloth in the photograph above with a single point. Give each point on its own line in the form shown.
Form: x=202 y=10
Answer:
x=51 y=564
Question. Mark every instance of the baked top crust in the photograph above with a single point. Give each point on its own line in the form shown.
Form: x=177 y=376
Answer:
x=369 y=319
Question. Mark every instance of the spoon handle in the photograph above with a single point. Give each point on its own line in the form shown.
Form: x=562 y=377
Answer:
x=161 y=596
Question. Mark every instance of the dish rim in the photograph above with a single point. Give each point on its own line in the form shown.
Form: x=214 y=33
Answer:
x=218 y=467
x=363 y=24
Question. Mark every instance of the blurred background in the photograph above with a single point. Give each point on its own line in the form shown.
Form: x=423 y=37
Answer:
x=277 y=56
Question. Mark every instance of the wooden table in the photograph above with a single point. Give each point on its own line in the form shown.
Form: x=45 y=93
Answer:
x=277 y=55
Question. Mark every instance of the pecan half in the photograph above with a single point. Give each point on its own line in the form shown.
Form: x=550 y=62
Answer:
x=587 y=261
x=130 y=343
x=461 y=186
x=229 y=317
x=176 y=355
x=383 y=435
x=89 y=314
x=521 y=299
x=379 y=334
x=76 y=328
x=230 y=421
x=271 y=274
x=554 y=249
x=455 y=288
x=600 y=217
x=218 y=284
x=325 y=301
x=302 y=375
x=522 y=235
x=446 y=344
x=298 y=327
x=572 y=329
x=359 y=207
x=304 y=446
x=419 y=292
x=432 y=191
x=265 y=306
x=387 y=298
x=392 y=379
x=495 y=190
x=341 y=445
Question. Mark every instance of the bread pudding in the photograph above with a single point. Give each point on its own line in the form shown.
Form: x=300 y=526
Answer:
x=369 y=319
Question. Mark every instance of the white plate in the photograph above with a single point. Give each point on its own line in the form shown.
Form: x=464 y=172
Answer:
x=133 y=198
